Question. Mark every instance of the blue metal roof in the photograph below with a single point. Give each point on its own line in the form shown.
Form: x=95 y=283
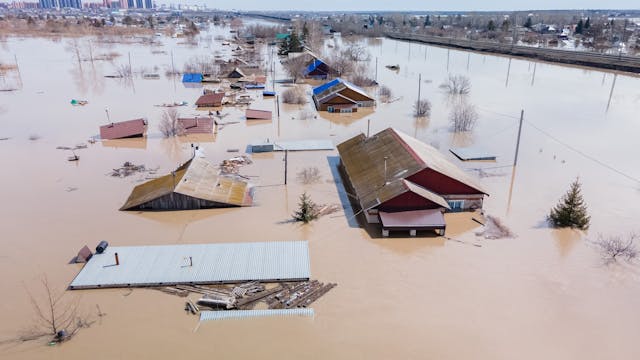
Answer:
x=327 y=86
x=314 y=65
x=192 y=77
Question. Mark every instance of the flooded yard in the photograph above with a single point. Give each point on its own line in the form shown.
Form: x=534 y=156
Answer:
x=544 y=294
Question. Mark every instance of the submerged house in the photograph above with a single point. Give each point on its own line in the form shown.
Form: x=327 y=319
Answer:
x=236 y=73
x=194 y=185
x=317 y=69
x=197 y=125
x=123 y=129
x=405 y=184
x=192 y=78
x=341 y=96
x=210 y=100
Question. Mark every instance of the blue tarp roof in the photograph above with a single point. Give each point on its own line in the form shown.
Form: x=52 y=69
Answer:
x=192 y=77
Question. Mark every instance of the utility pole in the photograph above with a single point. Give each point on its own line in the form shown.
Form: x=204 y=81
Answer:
x=515 y=159
x=15 y=57
x=106 y=110
x=368 y=126
x=376 y=69
x=419 y=85
x=130 y=68
x=173 y=67
x=286 y=163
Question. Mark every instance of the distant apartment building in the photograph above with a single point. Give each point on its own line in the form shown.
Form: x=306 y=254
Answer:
x=22 y=5
x=53 y=4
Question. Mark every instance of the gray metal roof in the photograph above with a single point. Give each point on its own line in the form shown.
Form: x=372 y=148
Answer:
x=212 y=263
x=243 y=314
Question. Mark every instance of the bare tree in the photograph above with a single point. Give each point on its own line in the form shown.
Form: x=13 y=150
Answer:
x=357 y=52
x=457 y=85
x=295 y=67
x=202 y=64
x=463 y=117
x=341 y=63
x=124 y=71
x=294 y=96
x=309 y=175
x=361 y=77
x=421 y=108
x=616 y=247
x=169 y=125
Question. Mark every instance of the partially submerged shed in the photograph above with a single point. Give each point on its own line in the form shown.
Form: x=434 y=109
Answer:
x=163 y=265
x=197 y=125
x=317 y=69
x=210 y=100
x=392 y=172
x=236 y=73
x=192 y=77
x=123 y=129
x=194 y=185
x=341 y=96
x=253 y=114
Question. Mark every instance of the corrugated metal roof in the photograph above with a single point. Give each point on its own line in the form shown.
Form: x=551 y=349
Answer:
x=364 y=162
x=472 y=153
x=322 y=88
x=212 y=263
x=336 y=85
x=431 y=218
x=244 y=314
x=123 y=129
x=196 y=178
x=202 y=125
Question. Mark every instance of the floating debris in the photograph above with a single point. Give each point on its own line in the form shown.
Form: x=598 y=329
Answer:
x=75 y=102
x=233 y=165
x=393 y=67
x=494 y=228
x=128 y=169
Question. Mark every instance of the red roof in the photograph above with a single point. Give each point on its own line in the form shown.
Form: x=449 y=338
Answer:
x=203 y=125
x=210 y=100
x=124 y=129
x=258 y=114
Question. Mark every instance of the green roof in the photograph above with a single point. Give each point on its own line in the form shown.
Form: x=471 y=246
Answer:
x=282 y=36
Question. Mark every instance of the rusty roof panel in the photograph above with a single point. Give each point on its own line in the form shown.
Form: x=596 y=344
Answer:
x=123 y=129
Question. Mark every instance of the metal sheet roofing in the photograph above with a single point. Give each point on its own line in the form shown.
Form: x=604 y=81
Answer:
x=196 y=178
x=324 y=87
x=161 y=265
x=244 y=314
x=192 y=77
x=471 y=154
x=432 y=218
x=197 y=125
x=211 y=99
x=364 y=162
x=258 y=114
x=123 y=129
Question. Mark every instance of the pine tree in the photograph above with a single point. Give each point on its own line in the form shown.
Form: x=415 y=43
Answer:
x=305 y=32
x=307 y=209
x=491 y=26
x=528 y=23
x=587 y=24
x=571 y=211
x=579 y=27
x=427 y=21
x=294 y=43
x=284 y=47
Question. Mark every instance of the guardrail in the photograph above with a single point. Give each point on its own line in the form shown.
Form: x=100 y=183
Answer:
x=603 y=61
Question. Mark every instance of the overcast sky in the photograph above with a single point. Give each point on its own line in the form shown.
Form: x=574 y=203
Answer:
x=403 y=5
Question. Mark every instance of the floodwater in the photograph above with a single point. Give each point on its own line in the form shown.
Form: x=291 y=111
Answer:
x=544 y=294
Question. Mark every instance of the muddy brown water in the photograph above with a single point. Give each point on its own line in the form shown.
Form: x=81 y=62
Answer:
x=544 y=294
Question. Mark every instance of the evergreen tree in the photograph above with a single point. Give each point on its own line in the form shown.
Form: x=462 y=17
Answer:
x=528 y=23
x=491 y=26
x=294 y=43
x=307 y=209
x=284 y=47
x=579 y=27
x=427 y=21
x=505 y=25
x=587 y=24
x=305 y=32
x=571 y=211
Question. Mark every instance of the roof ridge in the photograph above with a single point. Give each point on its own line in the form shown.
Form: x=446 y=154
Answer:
x=407 y=147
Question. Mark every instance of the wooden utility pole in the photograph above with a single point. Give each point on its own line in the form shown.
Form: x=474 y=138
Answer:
x=419 y=85
x=130 y=68
x=376 y=69
x=286 y=163
x=515 y=159
x=368 y=126
x=173 y=67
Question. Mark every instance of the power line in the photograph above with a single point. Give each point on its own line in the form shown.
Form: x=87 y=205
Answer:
x=580 y=152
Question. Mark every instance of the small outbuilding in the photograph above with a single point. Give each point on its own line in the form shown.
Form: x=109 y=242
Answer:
x=340 y=95
x=252 y=114
x=197 y=125
x=317 y=69
x=192 y=77
x=196 y=184
x=210 y=100
x=124 y=129
x=403 y=183
x=236 y=73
